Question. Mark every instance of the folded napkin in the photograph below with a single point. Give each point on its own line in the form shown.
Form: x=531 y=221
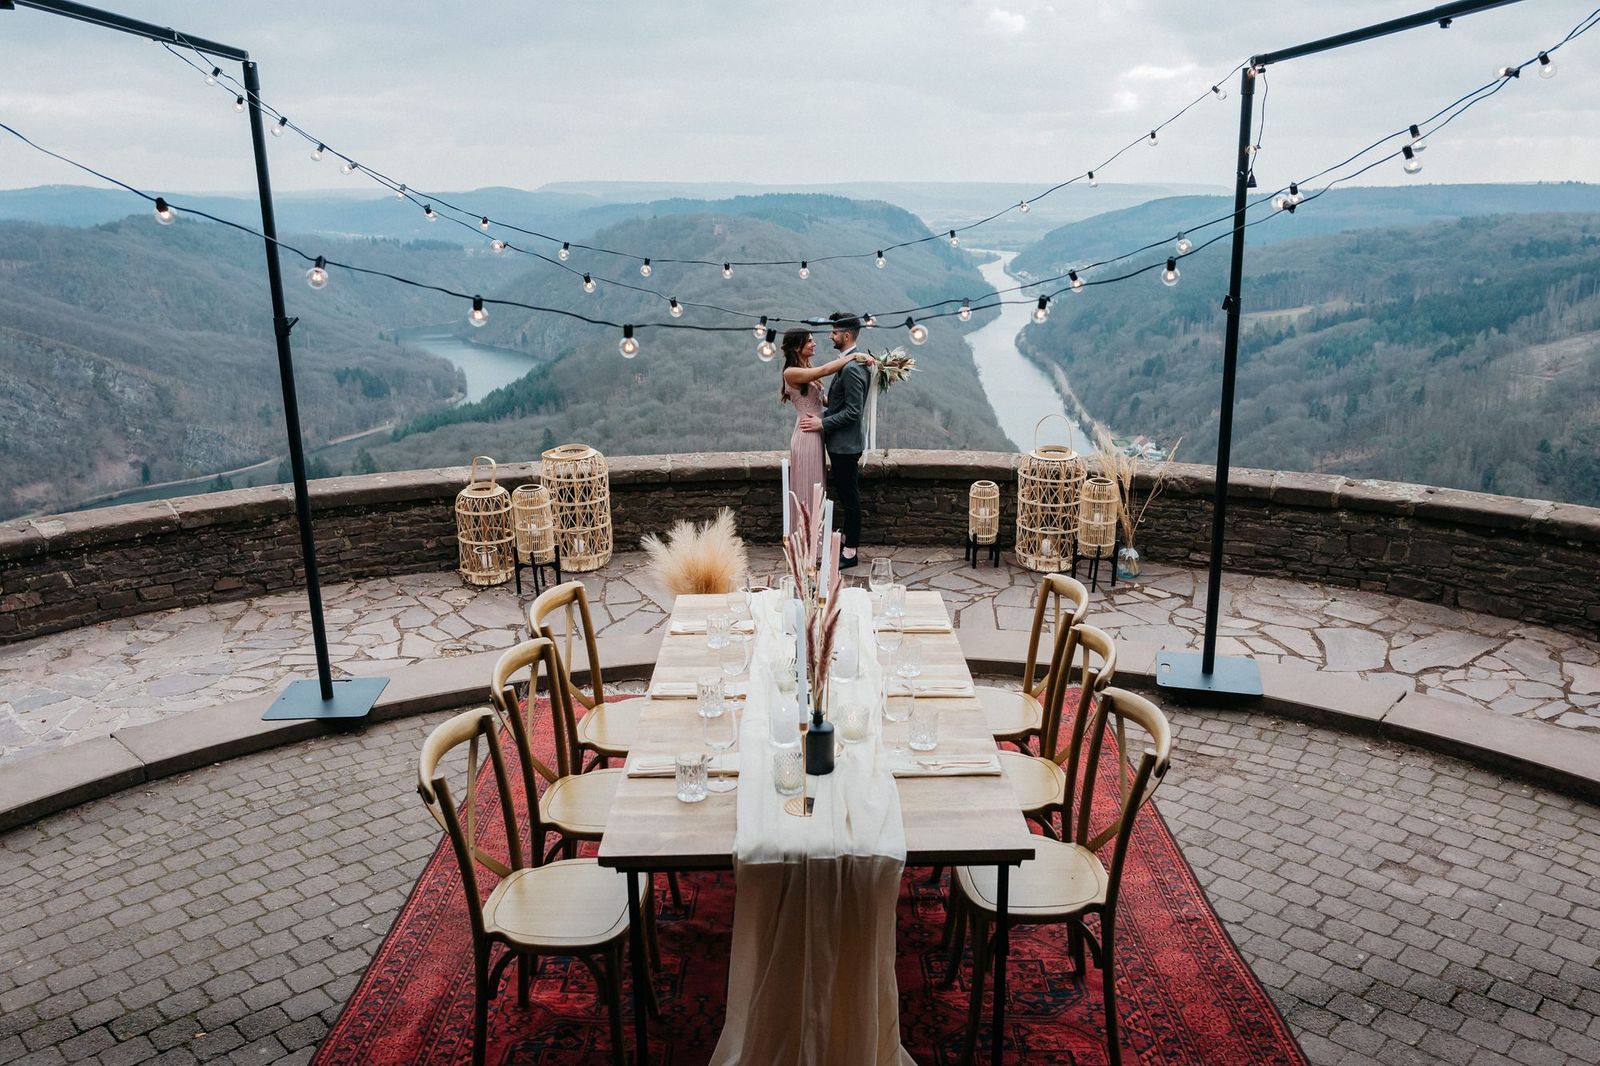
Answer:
x=949 y=690
x=688 y=627
x=925 y=625
x=667 y=766
x=936 y=765
x=688 y=690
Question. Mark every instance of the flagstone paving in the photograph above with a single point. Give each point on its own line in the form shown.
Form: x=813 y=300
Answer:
x=88 y=682
x=1401 y=907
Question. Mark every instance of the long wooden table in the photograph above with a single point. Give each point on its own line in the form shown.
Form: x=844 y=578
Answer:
x=965 y=821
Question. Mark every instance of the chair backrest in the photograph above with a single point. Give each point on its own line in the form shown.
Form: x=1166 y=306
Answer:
x=1097 y=665
x=539 y=658
x=471 y=728
x=1064 y=601
x=1136 y=783
x=560 y=614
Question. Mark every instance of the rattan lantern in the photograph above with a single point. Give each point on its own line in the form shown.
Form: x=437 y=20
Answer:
x=983 y=512
x=483 y=528
x=1098 y=509
x=1048 y=481
x=580 y=502
x=534 y=524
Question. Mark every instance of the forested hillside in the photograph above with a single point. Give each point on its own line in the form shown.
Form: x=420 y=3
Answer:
x=690 y=391
x=1462 y=353
x=135 y=353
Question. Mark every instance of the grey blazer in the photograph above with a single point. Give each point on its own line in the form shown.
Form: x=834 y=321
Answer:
x=843 y=431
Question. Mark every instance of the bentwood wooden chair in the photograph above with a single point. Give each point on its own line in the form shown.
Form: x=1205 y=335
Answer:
x=606 y=729
x=1040 y=781
x=1067 y=880
x=1017 y=717
x=569 y=908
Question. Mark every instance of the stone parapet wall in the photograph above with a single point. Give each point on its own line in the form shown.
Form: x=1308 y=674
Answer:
x=1526 y=559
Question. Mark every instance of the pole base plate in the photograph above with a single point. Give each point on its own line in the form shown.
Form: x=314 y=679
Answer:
x=1233 y=675
x=352 y=698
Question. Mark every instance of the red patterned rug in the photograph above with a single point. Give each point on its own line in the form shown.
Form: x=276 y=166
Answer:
x=1185 y=994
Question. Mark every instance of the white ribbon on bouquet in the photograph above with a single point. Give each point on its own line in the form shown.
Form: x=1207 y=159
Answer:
x=872 y=406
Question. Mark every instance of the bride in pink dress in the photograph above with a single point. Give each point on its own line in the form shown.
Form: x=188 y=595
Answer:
x=802 y=387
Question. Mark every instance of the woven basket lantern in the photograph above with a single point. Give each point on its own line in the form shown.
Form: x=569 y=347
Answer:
x=580 y=501
x=483 y=528
x=535 y=526
x=983 y=512
x=1098 y=509
x=1048 y=481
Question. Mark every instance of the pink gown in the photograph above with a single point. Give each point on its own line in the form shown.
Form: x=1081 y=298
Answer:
x=805 y=449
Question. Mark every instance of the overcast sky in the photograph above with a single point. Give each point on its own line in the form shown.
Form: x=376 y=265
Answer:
x=450 y=96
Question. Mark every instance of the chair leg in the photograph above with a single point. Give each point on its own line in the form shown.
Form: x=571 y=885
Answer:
x=619 y=1052
x=480 y=1006
x=1108 y=977
x=980 y=969
x=672 y=886
x=934 y=876
x=1075 y=950
x=651 y=941
x=958 y=941
x=524 y=978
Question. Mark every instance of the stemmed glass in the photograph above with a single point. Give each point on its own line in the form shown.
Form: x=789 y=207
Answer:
x=908 y=664
x=882 y=574
x=722 y=733
x=734 y=656
x=888 y=637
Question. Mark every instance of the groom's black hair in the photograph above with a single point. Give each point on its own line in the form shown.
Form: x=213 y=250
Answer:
x=846 y=321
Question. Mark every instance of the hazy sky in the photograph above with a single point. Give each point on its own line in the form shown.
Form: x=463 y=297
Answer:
x=450 y=96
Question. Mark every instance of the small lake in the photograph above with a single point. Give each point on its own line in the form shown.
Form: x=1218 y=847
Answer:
x=487 y=368
x=1018 y=390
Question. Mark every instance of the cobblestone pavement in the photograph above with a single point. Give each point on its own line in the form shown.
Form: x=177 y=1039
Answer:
x=1400 y=906
x=88 y=682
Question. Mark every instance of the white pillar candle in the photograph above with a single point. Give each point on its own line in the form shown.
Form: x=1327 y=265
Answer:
x=786 y=496
x=796 y=615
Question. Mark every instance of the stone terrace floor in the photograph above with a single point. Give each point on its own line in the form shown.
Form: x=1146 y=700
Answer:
x=88 y=682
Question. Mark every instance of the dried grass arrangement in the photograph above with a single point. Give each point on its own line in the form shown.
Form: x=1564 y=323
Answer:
x=1121 y=469
x=699 y=558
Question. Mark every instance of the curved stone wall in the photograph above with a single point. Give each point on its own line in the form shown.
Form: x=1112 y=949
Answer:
x=1526 y=559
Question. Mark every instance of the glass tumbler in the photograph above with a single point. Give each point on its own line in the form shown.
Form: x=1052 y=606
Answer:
x=788 y=771
x=924 y=725
x=710 y=695
x=719 y=630
x=690 y=767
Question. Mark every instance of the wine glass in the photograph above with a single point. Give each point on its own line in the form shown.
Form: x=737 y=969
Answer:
x=722 y=733
x=734 y=656
x=888 y=637
x=882 y=574
x=908 y=664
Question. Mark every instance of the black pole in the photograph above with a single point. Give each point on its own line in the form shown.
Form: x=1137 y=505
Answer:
x=281 y=325
x=1230 y=365
x=1444 y=14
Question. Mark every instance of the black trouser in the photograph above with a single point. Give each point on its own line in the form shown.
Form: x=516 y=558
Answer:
x=846 y=496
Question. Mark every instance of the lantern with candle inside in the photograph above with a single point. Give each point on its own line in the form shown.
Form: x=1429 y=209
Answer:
x=1048 y=481
x=534 y=526
x=1099 y=511
x=483 y=527
x=983 y=521
x=580 y=502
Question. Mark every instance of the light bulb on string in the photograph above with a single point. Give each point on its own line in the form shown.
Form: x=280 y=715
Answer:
x=1094 y=182
x=727 y=270
x=317 y=276
x=881 y=261
x=869 y=322
x=1152 y=138
x=918 y=332
x=238 y=103
x=1294 y=194
x=1042 y=312
x=400 y=193
x=1250 y=179
x=164 y=212
x=1412 y=163
x=1185 y=245
x=1075 y=281
x=644 y=269
x=965 y=314
x=565 y=253
x=1024 y=207
x=1169 y=276
x=805 y=269
x=211 y=79
x=1547 y=66
x=348 y=167
x=316 y=153
x=478 y=316
x=588 y=283
x=1221 y=93
x=1510 y=72
x=955 y=242
x=760 y=328
x=674 y=308
x=429 y=213
x=1418 y=144
x=497 y=245
x=283 y=124
x=766 y=349
x=627 y=345
x=1279 y=202
x=483 y=223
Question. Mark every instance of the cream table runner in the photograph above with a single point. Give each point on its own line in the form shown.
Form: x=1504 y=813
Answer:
x=811 y=979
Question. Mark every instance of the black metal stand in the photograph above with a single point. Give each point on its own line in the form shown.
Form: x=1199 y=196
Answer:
x=538 y=568
x=973 y=548
x=330 y=699
x=1094 y=562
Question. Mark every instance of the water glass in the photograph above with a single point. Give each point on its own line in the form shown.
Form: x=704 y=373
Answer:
x=897 y=706
x=881 y=575
x=710 y=695
x=739 y=608
x=690 y=769
x=894 y=603
x=888 y=638
x=719 y=630
x=789 y=771
x=925 y=725
x=908 y=664
x=722 y=733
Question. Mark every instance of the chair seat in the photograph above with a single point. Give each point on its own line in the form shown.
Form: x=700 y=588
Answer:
x=559 y=908
x=1037 y=783
x=579 y=804
x=609 y=728
x=1059 y=881
x=1011 y=712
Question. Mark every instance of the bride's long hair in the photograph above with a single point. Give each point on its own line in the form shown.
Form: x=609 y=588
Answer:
x=794 y=342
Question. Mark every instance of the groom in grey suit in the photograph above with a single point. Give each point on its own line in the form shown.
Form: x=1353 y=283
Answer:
x=844 y=436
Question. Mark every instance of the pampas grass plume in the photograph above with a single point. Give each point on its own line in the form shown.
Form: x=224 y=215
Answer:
x=698 y=558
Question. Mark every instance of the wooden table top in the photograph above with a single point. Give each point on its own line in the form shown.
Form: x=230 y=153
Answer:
x=948 y=820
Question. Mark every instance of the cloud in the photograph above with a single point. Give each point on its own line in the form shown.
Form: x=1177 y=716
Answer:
x=1146 y=72
x=1005 y=23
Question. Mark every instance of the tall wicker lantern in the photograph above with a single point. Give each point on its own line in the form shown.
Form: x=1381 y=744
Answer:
x=534 y=524
x=580 y=501
x=983 y=512
x=1048 y=481
x=483 y=528
x=1098 y=508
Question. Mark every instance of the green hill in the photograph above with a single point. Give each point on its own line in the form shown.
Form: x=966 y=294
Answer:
x=1462 y=353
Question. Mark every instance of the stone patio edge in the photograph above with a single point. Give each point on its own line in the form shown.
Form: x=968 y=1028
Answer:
x=1384 y=705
